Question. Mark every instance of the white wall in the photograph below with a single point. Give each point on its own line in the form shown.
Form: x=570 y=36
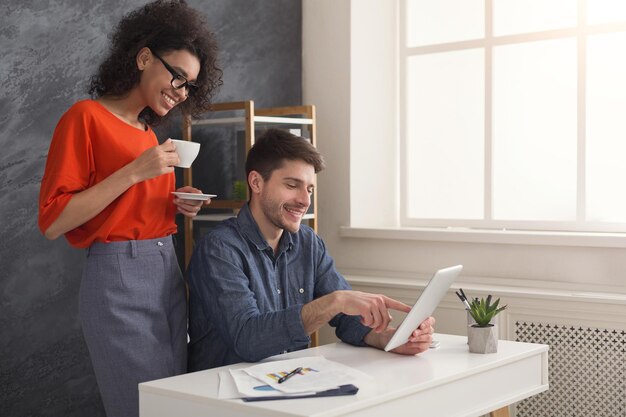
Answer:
x=326 y=66
x=347 y=77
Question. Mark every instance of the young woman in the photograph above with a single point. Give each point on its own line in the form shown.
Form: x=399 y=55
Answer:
x=107 y=186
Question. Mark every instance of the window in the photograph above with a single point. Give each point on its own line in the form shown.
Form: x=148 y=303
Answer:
x=513 y=114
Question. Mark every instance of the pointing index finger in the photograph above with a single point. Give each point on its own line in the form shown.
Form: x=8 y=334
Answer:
x=396 y=305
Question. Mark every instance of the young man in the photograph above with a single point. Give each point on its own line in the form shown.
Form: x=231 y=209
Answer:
x=261 y=283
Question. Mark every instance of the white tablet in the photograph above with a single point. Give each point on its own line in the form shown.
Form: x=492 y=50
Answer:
x=427 y=303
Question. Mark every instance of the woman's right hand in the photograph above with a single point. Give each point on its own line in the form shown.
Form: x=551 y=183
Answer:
x=155 y=161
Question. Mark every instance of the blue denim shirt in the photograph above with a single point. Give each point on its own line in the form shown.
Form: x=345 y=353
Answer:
x=245 y=302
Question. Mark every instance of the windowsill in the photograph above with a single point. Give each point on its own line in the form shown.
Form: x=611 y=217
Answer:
x=479 y=289
x=510 y=237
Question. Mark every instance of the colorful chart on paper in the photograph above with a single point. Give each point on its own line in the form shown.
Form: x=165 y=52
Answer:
x=277 y=375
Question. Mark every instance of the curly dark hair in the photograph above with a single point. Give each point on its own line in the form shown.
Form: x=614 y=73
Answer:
x=162 y=26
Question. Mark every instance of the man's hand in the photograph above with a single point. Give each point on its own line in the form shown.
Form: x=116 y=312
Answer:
x=373 y=309
x=418 y=342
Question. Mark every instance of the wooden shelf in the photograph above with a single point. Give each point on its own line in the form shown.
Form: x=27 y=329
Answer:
x=227 y=204
x=218 y=217
x=260 y=120
x=213 y=217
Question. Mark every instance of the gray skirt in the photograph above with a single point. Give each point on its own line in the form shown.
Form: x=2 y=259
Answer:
x=134 y=318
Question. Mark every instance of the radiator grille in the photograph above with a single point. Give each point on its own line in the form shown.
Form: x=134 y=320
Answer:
x=586 y=371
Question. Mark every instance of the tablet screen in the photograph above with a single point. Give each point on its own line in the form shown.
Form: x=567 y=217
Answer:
x=435 y=290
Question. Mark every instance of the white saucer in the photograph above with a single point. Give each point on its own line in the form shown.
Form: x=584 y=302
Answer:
x=193 y=196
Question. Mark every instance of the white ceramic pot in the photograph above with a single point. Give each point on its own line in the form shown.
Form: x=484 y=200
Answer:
x=483 y=339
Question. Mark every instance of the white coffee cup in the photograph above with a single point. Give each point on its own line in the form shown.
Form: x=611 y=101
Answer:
x=187 y=152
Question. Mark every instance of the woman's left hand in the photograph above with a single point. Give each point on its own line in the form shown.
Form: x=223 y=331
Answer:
x=189 y=208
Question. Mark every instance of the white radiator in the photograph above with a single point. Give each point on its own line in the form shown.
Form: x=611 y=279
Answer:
x=587 y=368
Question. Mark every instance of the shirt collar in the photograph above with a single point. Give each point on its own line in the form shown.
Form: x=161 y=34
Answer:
x=251 y=231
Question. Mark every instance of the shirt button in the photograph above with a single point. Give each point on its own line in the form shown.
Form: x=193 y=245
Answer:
x=159 y=243
x=301 y=290
x=278 y=290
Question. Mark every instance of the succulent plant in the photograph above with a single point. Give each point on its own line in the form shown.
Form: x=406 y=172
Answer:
x=482 y=311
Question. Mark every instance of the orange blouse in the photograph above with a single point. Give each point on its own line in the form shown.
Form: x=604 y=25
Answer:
x=89 y=144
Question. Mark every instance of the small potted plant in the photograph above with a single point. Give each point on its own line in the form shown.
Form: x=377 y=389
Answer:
x=482 y=336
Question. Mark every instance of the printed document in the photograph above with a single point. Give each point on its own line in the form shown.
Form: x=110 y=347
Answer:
x=316 y=374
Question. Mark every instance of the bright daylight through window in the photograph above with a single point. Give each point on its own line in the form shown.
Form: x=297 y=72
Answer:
x=513 y=114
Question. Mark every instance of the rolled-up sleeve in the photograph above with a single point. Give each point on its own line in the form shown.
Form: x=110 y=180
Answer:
x=69 y=167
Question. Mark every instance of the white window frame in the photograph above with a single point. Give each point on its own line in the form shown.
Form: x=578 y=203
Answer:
x=580 y=32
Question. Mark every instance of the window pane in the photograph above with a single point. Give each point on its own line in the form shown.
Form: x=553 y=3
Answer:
x=441 y=21
x=515 y=16
x=605 y=11
x=445 y=135
x=606 y=130
x=534 y=131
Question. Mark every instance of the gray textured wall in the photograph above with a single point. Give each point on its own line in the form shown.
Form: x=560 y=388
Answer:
x=49 y=49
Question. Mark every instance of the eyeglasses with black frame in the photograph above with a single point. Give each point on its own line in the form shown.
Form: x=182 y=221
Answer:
x=178 y=80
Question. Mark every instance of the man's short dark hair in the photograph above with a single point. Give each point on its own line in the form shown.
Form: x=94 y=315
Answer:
x=274 y=146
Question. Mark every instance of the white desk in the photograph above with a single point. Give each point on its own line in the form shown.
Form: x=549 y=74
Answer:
x=447 y=382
